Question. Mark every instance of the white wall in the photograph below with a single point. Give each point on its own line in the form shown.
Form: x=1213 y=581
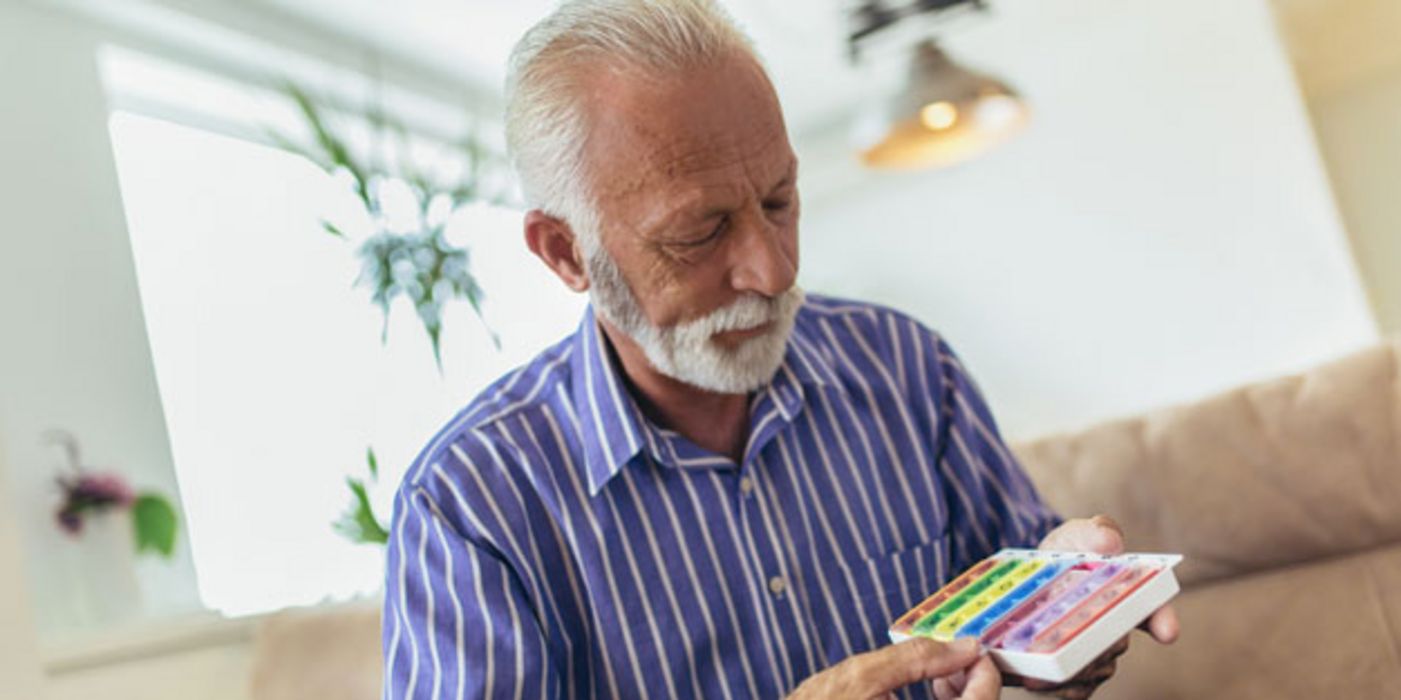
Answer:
x=19 y=653
x=74 y=354
x=1162 y=231
x=1359 y=131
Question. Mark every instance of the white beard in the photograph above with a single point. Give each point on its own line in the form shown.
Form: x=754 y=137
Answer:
x=687 y=351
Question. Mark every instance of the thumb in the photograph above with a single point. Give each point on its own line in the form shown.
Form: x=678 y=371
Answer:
x=984 y=682
x=915 y=660
x=1099 y=534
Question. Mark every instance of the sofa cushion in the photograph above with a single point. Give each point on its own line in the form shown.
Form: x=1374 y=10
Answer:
x=331 y=652
x=1268 y=475
x=1330 y=629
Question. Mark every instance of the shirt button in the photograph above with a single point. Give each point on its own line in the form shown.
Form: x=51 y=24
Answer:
x=746 y=486
x=777 y=586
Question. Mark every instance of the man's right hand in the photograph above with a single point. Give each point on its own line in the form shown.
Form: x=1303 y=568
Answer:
x=876 y=674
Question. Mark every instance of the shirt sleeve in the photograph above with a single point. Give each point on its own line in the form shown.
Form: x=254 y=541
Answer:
x=456 y=622
x=992 y=502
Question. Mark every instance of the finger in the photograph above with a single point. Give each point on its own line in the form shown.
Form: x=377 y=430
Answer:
x=948 y=687
x=1036 y=686
x=911 y=661
x=1074 y=692
x=1163 y=625
x=1095 y=674
x=1101 y=673
x=984 y=681
x=1100 y=534
x=957 y=680
x=1049 y=688
x=1103 y=667
x=943 y=690
x=1108 y=522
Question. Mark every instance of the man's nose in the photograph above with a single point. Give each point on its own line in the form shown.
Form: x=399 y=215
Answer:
x=764 y=261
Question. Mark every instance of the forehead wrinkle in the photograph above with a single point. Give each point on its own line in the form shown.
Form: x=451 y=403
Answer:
x=670 y=155
x=680 y=184
x=665 y=171
x=690 y=172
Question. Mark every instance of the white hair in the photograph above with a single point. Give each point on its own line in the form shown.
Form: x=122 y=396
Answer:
x=546 y=125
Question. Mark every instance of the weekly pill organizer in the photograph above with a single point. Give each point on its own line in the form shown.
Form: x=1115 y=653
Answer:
x=1045 y=615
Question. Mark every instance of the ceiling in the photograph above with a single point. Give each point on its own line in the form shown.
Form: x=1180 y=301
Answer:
x=466 y=42
x=802 y=42
x=1332 y=42
x=467 y=37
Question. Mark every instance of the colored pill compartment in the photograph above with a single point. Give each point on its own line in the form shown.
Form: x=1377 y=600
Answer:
x=1044 y=615
x=906 y=623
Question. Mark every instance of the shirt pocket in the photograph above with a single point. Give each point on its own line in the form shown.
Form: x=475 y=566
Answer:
x=867 y=595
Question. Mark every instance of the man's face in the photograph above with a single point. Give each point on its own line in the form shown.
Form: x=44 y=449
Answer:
x=695 y=183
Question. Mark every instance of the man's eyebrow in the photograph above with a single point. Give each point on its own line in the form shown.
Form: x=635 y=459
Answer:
x=692 y=209
x=660 y=227
x=790 y=176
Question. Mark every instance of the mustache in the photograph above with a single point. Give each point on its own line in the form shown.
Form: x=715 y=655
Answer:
x=746 y=312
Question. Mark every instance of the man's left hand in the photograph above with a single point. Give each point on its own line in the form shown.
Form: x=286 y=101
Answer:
x=1100 y=535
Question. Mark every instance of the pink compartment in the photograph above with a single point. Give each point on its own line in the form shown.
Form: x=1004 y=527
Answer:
x=1091 y=609
x=1053 y=589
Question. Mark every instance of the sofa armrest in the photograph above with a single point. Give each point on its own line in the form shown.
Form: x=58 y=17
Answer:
x=330 y=652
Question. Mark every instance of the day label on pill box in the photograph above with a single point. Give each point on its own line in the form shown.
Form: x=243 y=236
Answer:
x=1045 y=614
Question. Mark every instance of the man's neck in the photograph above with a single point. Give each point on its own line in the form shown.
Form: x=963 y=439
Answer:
x=716 y=422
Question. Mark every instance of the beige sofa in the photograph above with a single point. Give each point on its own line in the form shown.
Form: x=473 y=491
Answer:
x=1285 y=496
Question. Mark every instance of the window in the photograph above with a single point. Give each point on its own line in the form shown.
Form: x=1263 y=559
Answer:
x=270 y=366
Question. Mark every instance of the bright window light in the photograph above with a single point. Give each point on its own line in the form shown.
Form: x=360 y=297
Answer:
x=270 y=366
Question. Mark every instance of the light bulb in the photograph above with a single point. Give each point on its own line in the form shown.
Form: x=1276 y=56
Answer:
x=939 y=115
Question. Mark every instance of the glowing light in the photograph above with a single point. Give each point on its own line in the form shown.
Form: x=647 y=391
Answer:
x=939 y=116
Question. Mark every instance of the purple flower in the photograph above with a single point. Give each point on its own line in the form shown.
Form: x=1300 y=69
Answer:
x=104 y=489
x=91 y=493
x=70 y=521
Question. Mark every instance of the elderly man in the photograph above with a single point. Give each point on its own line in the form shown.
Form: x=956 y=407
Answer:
x=716 y=487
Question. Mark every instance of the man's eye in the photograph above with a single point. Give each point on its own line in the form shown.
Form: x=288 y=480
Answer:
x=708 y=237
x=777 y=204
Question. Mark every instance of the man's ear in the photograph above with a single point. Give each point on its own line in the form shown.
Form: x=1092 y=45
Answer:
x=552 y=241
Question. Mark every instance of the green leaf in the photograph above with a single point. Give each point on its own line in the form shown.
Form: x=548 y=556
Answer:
x=418 y=264
x=294 y=148
x=331 y=229
x=374 y=463
x=154 y=524
x=359 y=523
x=335 y=150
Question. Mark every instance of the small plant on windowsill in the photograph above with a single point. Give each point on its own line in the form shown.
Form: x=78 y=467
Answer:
x=409 y=257
x=88 y=494
x=359 y=524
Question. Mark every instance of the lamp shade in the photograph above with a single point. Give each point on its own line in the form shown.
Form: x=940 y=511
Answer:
x=945 y=115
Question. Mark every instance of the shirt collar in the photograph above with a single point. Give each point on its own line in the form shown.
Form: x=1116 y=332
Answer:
x=808 y=362
x=614 y=431
x=608 y=416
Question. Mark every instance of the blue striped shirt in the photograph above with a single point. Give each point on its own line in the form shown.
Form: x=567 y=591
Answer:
x=552 y=542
